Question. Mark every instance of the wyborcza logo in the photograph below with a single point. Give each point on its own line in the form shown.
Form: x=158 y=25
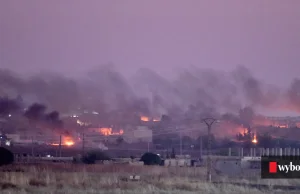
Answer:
x=280 y=167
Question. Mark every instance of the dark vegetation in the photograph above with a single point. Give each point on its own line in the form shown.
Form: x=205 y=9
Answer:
x=151 y=159
x=92 y=156
x=6 y=156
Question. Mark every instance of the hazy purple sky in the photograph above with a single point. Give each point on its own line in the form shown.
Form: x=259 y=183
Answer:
x=72 y=36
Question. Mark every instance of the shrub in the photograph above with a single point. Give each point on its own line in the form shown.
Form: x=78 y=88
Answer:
x=6 y=156
x=151 y=159
x=92 y=156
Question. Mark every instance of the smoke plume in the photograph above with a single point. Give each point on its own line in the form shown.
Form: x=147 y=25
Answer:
x=194 y=92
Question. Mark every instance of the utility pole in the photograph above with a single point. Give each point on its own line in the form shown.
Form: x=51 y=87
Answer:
x=201 y=147
x=180 y=143
x=209 y=122
x=32 y=144
x=60 y=145
x=83 y=146
x=148 y=147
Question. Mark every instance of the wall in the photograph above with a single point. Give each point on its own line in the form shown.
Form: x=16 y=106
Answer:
x=143 y=133
x=138 y=134
x=178 y=162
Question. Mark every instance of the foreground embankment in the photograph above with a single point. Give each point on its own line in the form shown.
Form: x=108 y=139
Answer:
x=79 y=179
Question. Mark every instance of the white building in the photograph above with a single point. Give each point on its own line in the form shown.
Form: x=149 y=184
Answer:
x=139 y=134
x=181 y=162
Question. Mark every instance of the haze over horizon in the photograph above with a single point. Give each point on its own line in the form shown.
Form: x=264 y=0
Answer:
x=73 y=37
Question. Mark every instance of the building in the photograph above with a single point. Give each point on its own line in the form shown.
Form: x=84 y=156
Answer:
x=179 y=160
x=138 y=134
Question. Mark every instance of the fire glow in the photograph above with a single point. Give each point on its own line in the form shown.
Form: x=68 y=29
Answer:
x=66 y=141
x=108 y=132
x=254 y=139
x=147 y=119
x=82 y=123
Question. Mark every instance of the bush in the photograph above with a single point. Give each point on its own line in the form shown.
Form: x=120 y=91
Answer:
x=151 y=159
x=6 y=156
x=92 y=156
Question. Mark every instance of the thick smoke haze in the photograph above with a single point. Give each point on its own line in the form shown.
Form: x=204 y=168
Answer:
x=194 y=92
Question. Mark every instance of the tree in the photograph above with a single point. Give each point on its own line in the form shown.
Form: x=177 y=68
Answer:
x=94 y=155
x=151 y=159
x=247 y=136
x=132 y=158
x=6 y=156
x=226 y=142
x=265 y=140
x=205 y=141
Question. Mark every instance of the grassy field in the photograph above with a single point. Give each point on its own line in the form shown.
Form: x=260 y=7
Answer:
x=106 y=179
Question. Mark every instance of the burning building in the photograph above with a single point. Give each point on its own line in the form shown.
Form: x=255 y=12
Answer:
x=65 y=141
x=149 y=119
x=105 y=131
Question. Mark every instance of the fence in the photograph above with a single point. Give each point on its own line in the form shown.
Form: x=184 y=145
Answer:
x=23 y=158
x=255 y=152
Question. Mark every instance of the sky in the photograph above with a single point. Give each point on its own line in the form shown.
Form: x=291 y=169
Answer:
x=73 y=36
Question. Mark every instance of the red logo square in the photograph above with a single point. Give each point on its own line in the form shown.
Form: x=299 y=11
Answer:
x=272 y=167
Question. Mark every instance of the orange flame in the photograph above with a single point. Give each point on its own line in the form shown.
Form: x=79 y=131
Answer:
x=282 y=126
x=108 y=132
x=143 y=118
x=69 y=143
x=146 y=119
x=66 y=141
x=242 y=130
x=254 y=139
